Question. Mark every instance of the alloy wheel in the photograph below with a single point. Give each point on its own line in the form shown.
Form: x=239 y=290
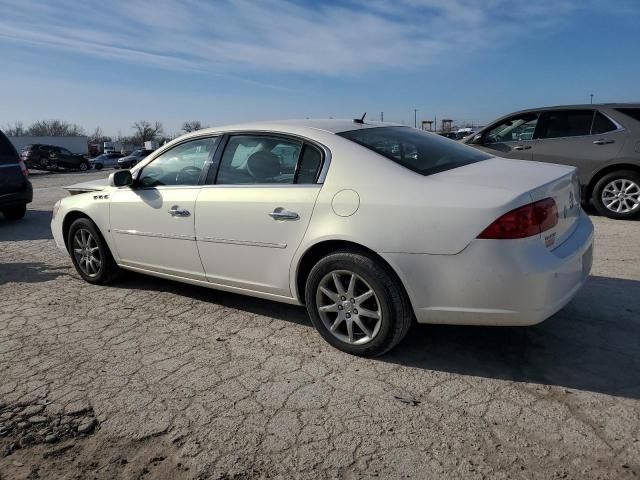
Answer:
x=621 y=195
x=348 y=307
x=87 y=252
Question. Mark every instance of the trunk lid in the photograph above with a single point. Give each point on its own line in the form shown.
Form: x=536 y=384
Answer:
x=538 y=180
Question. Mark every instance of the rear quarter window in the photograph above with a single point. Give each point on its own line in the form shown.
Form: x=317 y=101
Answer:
x=631 y=112
x=424 y=153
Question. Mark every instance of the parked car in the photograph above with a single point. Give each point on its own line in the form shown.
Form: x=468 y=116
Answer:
x=106 y=160
x=46 y=157
x=133 y=158
x=15 y=187
x=369 y=225
x=602 y=141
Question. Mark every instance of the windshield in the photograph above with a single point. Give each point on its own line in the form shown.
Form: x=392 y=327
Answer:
x=422 y=152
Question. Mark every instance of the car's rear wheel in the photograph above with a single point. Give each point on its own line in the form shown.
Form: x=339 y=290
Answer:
x=15 y=213
x=90 y=254
x=84 y=166
x=617 y=195
x=356 y=304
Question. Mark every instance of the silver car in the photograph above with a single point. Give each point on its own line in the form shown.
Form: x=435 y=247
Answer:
x=602 y=141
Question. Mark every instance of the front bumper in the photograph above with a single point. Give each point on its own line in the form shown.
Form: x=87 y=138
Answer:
x=492 y=282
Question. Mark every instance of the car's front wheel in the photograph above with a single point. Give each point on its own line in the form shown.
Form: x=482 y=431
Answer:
x=15 y=213
x=84 y=166
x=44 y=163
x=90 y=253
x=357 y=304
x=617 y=195
x=98 y=166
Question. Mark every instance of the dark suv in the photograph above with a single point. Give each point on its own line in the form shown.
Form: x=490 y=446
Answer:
x=15 y=187
x=44 y=157
x=602 y=141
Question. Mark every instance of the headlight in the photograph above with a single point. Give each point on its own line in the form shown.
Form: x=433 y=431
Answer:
x=56 y=207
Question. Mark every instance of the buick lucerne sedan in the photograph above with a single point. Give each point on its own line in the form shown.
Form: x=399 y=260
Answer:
x=371 y=226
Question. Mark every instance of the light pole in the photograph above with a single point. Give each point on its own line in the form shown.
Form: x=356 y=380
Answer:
x=415 y=118
x=591 y=97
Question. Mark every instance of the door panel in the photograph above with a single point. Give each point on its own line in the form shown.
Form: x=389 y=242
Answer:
x=149 y=234
x=586 y=151
x=241 y=245
x=520 y=150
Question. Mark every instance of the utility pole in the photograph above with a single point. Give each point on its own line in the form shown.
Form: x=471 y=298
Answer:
x=415 y=118
x=382 y=116
x=591 y=95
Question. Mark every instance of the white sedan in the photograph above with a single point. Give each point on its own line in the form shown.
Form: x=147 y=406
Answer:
x=372 y=226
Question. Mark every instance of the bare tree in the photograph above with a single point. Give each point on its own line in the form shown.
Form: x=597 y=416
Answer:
x=144 y=131
x=98 y=137
x=54 y=128
x=15 y=130
x=193 y=125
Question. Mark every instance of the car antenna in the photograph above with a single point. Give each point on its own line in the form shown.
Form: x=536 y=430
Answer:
x=360 y=120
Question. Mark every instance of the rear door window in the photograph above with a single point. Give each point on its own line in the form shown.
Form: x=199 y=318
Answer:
x=631 y=112
x=258 y=159
x=566 y=123
x=422 y=152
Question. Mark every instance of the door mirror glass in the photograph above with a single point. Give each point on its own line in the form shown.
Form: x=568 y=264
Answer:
x=121 y=178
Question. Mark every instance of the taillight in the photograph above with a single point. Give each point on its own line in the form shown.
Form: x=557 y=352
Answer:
x=23 y=167
x=526 y=221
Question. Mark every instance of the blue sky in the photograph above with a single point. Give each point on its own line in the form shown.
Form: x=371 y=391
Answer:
x=111 y=63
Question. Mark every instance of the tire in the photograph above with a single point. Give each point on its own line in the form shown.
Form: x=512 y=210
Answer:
x=98 y=166
x=610 y=186
x=84 y=166
x=107 y=270
x=43 y=163
x=395 y=315
x=15 y=213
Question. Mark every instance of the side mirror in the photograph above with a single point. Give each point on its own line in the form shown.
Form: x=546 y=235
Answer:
x=477 y=140
x=121 y=178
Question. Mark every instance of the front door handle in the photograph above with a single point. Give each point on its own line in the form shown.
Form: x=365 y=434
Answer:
x=176 y=211
x=282 y=214
x=603 y=141
x=522 y=147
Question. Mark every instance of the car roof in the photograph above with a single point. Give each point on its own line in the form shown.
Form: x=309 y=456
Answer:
x=580 y=106
x=330 y=125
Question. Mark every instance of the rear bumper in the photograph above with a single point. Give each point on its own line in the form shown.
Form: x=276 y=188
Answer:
x=17 y=198
x=514 y=282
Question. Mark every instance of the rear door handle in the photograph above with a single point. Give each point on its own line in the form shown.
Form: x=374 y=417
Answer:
x=522 y=147
x=176 y=211
x=282 y=214
x=603 y=141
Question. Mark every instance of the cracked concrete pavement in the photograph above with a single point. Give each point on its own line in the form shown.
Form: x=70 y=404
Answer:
x=186 y=382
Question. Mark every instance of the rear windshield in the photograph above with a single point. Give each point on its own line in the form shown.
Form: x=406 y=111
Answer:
x=422 y=152
x=8 y=153
x=632 y=112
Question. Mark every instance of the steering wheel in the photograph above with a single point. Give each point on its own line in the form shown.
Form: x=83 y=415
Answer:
x=189 y=171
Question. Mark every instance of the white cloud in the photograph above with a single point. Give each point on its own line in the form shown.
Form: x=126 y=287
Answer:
x=349 y=37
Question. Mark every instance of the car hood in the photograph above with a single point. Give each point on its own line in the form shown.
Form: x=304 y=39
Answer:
x=92 y=186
